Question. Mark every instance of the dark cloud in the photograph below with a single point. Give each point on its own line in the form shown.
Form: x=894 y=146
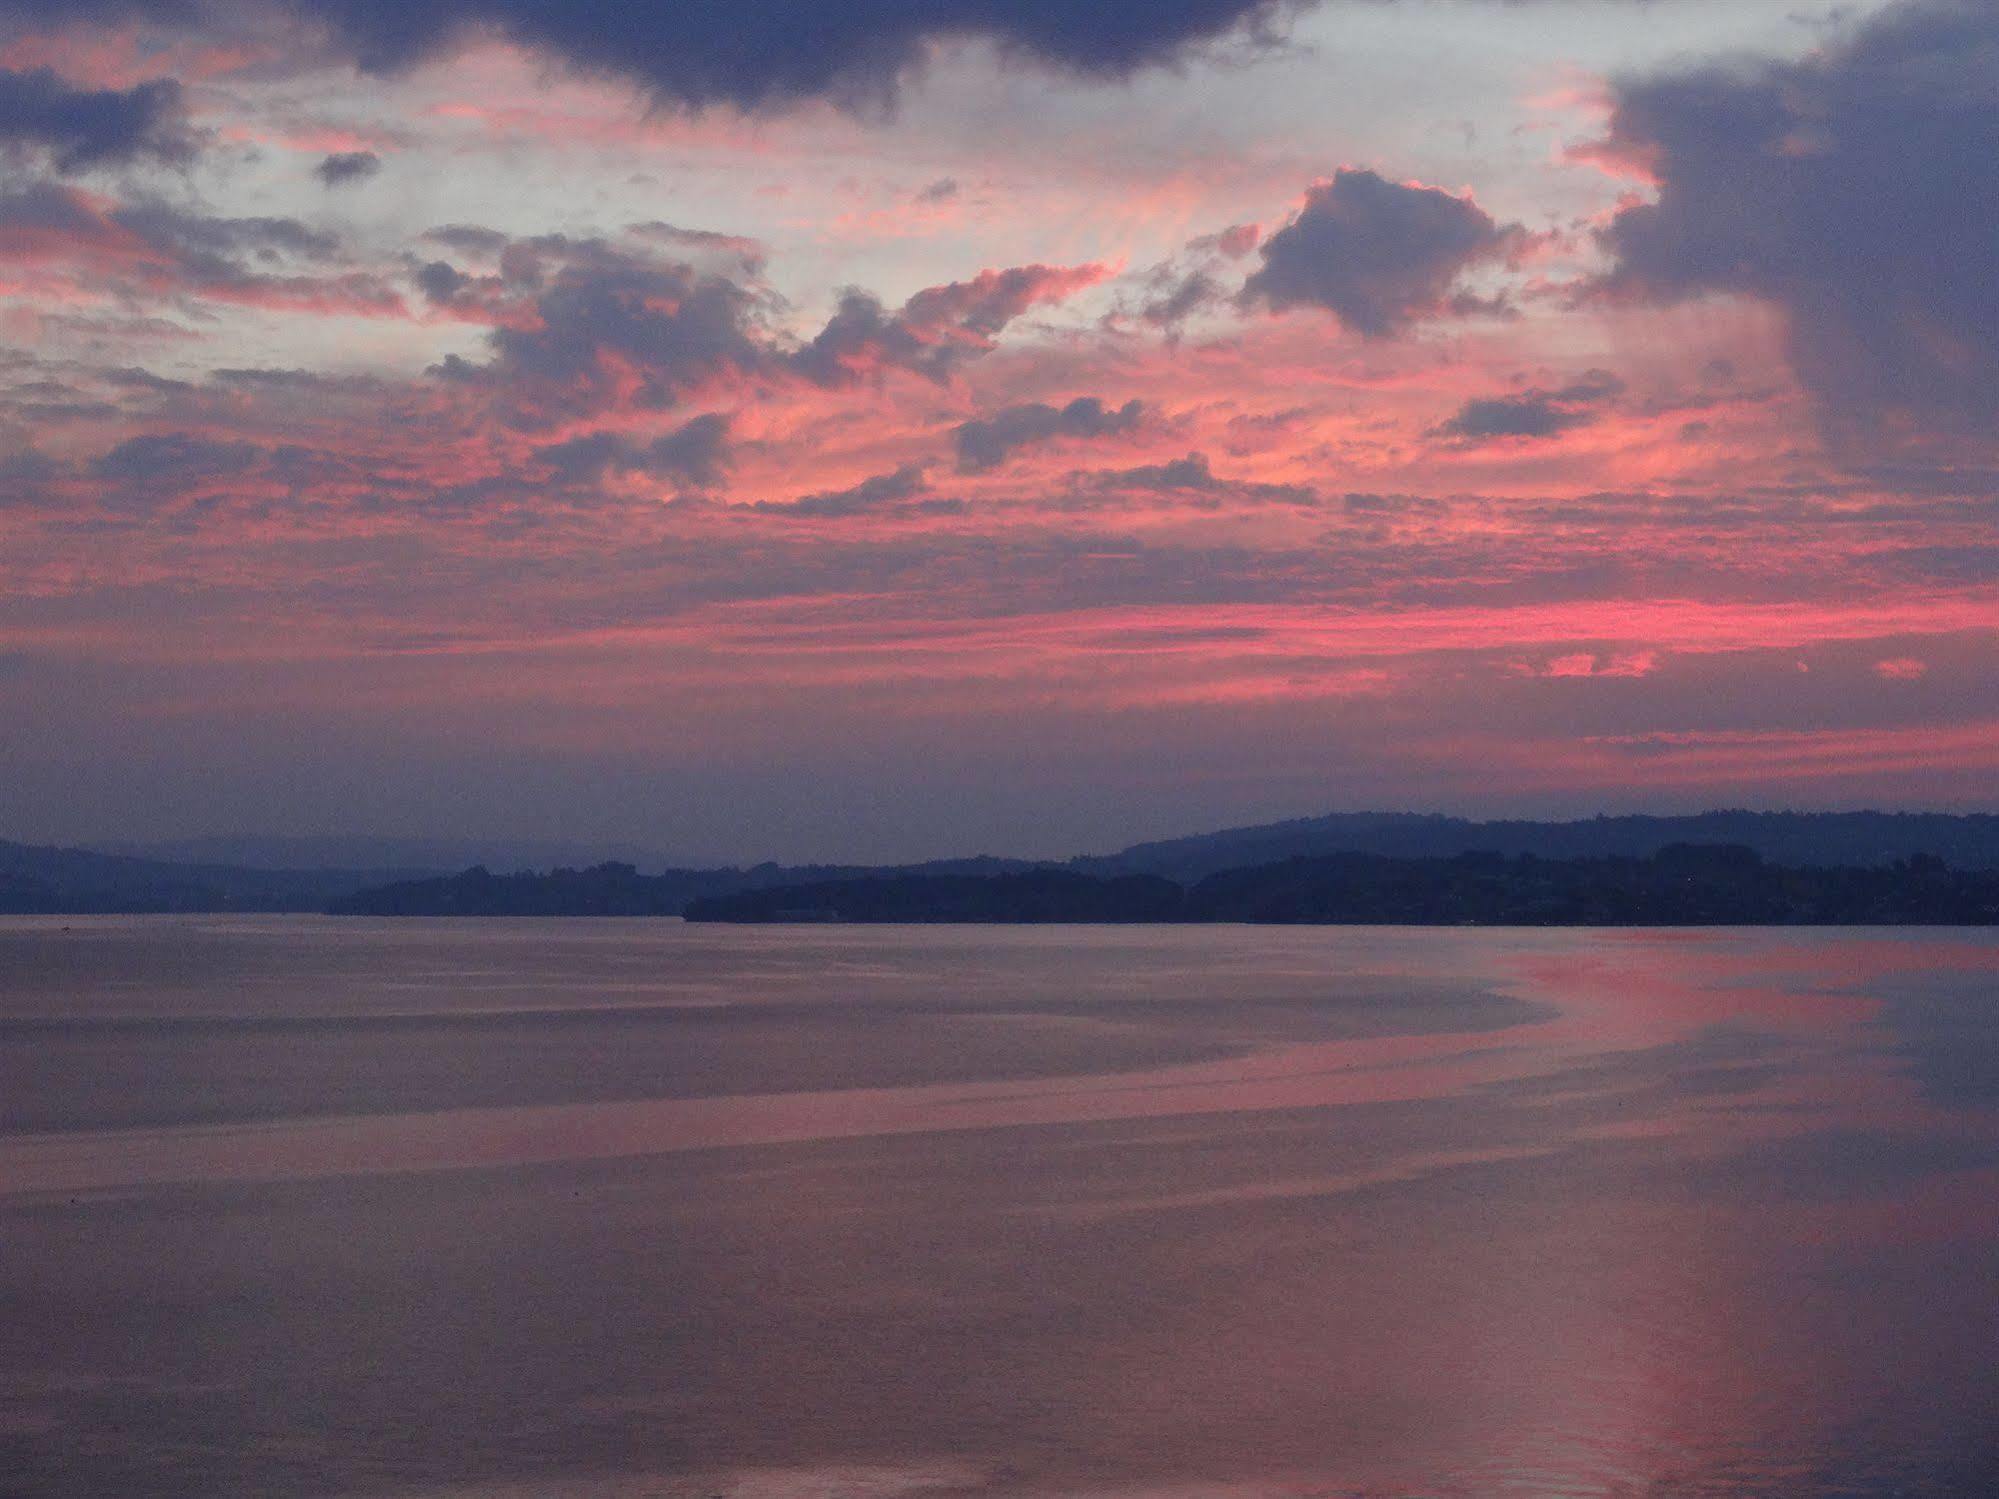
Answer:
x=986 y=443
x=1857 y=189
x=1377 y=254
x=579 y=460
x=1191 y=472
x=343 y=167
x=439 y=280
x=221 y=247
x=22 y=473
x=1173 y=298
x=772 y=52
x=880 y=492
x=167 y=462
x=528 y=263
x=150 y=249
x=937 y=329
x=585 y=326
x=469 y=239
x=757 y=54
x=748 y=254
x=1191 y=478
x=695 y=454
x=1174 y=291
x=492 y=299
x=943 y=190
x=197 y=245
x=81 y=128
x=36 y=215
x=1533 y=413
x=615 y=332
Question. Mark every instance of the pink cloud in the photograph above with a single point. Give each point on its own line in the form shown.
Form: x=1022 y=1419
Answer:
x=1590 y=664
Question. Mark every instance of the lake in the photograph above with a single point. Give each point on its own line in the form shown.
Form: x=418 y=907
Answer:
x=499 y=1209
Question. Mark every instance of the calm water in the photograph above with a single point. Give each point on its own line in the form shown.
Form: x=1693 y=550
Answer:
x=301 y=1206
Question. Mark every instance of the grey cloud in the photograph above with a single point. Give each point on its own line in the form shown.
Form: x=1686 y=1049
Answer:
x=935 y=331
x=207 y=244
x=1174 y=291
x=618 y=332
x=83 y=127
x=745 y=252
x=23 y=472
x=439 y=280
x=755 y=54
x=879 y=492
x=1379 y=255
x=248 y=259
x=1534 y=413
x=173 y=461
x=1175 y=298
x=695 y=454
x=986 y=443
x=616 y=328
x=1190 y=477
x=469 y=239
x=1190 y=472
x=343 y=167
x=1854 y=189
x=179 y=250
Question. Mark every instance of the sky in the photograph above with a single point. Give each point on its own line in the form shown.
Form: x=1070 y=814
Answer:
x=919 y=427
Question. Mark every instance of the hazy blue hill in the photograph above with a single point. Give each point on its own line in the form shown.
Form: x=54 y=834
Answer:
x=36 y=879
x=1823 y=839
x=414 y=856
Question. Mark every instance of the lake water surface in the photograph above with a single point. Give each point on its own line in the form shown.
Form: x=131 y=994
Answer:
x=499 y=1209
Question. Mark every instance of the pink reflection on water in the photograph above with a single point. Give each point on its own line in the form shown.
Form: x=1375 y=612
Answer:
x=1612 y=994
x=1323 y=1074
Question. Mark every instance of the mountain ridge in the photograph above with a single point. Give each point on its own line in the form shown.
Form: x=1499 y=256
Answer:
x=1824 y=839
x=45 y=879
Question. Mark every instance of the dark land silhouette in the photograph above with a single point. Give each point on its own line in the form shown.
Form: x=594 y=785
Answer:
x=1805 y=839
x=38 y=880
x=1681 y=885
x=1036 y=895
x=619 y=889
x=45 y=880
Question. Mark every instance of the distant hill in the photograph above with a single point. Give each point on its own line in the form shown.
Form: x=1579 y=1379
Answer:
x=369 y=851
x=801 y=892
x=43 y=879
x=615 y=889
x=1035 y=895
x=73 y=881
x=1681 y=885
x=1823 y=839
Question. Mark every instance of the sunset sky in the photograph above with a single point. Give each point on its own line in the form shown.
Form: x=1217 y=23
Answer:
x=910 y=427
